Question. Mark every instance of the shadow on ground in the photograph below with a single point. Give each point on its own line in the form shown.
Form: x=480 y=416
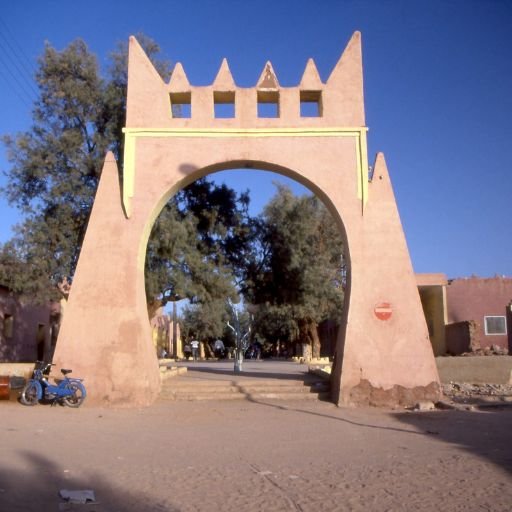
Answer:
x=484 y=434
x=248 y=374
x=335 y=417
x=37 y=486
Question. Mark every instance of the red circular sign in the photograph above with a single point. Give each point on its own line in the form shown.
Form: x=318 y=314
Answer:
x=383 y=311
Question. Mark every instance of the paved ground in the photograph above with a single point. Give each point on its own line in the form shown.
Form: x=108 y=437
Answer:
x=255 y=456
x=252 y=370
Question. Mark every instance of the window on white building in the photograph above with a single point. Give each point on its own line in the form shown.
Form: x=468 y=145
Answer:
x=495 y=325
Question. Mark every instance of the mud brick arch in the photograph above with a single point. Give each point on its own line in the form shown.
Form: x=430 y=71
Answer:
x=172 y=138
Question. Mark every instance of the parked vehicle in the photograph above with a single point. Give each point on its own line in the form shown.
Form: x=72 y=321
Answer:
x=69 y=391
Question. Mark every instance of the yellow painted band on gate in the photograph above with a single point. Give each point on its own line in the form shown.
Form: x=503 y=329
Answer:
x=131 y=135
x=247 y=132
x=128 y=172
x=362 y=169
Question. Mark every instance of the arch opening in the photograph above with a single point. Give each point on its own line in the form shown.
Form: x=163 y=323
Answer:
x=326 y=334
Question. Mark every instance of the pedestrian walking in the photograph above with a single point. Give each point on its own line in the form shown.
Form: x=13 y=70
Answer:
x=195 y=349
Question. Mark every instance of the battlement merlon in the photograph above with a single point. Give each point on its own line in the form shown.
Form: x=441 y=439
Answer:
x=339 y=102
x=177 y=109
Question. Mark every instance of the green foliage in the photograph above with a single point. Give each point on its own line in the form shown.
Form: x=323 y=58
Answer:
x=55 y=167
x=205 y=321
x=299 y=280
x=56 y=164
x=196 y=244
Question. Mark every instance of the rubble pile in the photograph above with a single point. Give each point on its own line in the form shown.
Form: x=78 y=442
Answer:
x=466 y=393
x=494 y=350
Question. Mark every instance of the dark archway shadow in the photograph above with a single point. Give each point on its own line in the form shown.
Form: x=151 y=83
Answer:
x=37 y=486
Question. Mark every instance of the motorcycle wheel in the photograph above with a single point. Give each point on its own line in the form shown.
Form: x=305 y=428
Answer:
x=29 y=394
x=78 y=396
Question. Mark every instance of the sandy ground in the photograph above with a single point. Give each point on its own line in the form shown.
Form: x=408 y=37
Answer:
x=248 y=456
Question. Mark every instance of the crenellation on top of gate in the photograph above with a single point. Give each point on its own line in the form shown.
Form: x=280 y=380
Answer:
x=224 y=79
x=311 y=78
x=268 y=79
x=178 y=81
x=338 y=102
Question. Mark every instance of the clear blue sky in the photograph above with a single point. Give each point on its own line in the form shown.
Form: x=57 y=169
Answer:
x=438 y=91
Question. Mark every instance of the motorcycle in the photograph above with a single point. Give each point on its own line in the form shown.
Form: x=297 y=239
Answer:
x=69 y=391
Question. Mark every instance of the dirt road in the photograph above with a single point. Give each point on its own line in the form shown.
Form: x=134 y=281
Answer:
x=247 y=456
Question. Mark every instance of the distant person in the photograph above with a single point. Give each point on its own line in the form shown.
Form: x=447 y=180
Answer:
x=257 y=350
x=219 y=349
x=195 y=349
x=187 y=351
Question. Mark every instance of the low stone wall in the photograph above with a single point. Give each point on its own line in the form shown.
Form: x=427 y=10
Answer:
x=475 y=370
x=167 y=369
x=17 y=369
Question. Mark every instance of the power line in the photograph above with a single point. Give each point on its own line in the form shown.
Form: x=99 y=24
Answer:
x=8 y=52
x=15 y=73
x=17 y=92
x=17 y=49
x=21 y=87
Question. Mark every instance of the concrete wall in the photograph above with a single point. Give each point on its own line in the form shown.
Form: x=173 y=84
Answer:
x=163 y=331
x=475 y=298
x=476 y=370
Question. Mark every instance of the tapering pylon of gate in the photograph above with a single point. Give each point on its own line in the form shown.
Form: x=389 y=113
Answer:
x=172 y=138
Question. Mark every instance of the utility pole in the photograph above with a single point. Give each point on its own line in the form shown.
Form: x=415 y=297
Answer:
x=174 y=331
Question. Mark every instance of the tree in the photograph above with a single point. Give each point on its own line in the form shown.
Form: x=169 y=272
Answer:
x=55 y=168
x=197 y=244
x=205 y=321
x=299 y=279
x=56 y=164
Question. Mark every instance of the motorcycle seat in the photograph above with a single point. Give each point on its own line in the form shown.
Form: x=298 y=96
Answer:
x=64 y=371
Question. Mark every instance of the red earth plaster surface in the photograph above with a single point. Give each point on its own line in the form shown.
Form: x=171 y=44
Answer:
x=255 y=456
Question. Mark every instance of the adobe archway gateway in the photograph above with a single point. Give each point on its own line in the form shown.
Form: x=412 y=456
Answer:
x=383 y=353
